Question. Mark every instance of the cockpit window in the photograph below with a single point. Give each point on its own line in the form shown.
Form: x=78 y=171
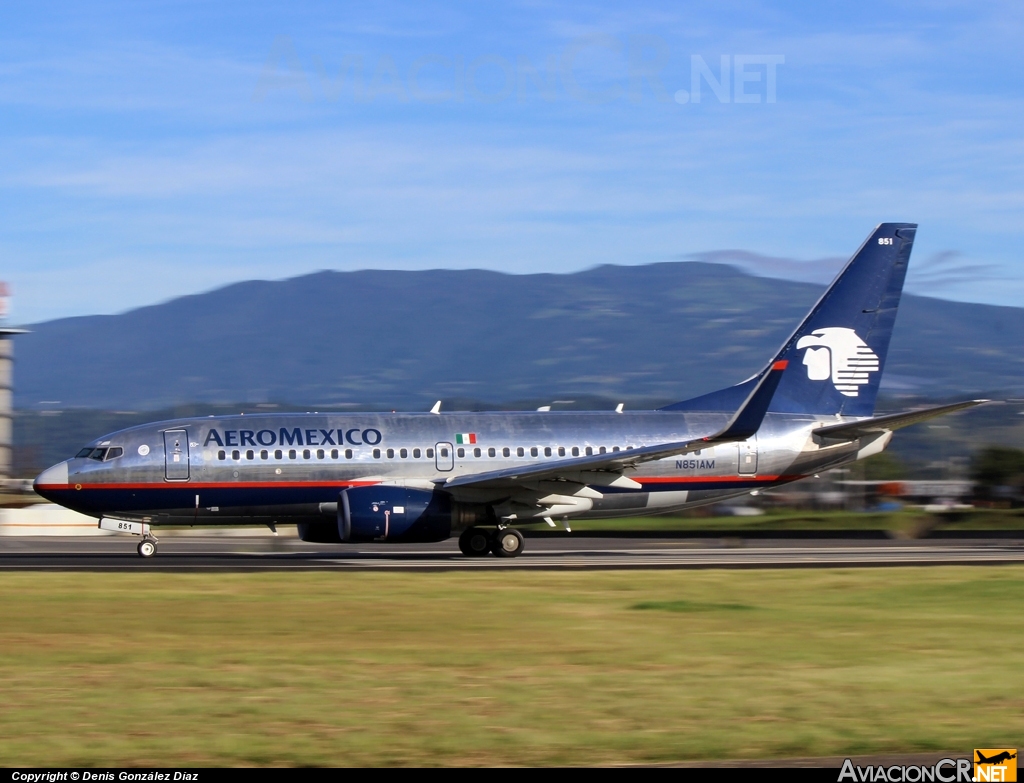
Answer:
x=99 y=454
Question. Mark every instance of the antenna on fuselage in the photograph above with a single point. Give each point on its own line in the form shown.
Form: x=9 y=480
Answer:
x=436 y=408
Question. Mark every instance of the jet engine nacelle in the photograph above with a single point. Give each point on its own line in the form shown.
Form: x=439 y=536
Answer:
x=389 y=513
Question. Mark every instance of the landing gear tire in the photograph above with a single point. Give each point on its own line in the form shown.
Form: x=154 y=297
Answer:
x=147 y=547
x=475 y=542
x=509 y=543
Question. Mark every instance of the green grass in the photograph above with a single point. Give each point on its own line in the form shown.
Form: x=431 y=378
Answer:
x=507 y=667
x=689 y=606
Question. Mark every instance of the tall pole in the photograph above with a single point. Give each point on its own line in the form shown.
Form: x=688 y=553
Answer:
x=6 y=392
x=6 y=387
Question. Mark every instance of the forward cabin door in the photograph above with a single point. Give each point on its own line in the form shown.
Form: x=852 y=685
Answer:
x=176 y=455
x=747 y=465
x=444 y=456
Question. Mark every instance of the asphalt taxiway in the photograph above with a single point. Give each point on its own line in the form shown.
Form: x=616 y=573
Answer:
x=575 y=551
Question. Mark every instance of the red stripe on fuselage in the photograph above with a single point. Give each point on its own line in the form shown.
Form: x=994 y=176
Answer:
x=214 y=485
x=707 y=479
x=300 y=484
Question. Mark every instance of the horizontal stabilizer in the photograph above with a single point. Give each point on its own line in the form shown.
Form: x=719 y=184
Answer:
x=890 y=422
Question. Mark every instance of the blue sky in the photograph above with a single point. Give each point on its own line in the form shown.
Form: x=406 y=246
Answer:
x=154 y=152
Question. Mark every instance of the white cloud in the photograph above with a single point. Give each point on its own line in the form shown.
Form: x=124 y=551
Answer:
x=138 y=158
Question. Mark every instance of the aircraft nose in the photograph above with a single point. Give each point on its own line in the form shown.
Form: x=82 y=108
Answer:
x=57 y=476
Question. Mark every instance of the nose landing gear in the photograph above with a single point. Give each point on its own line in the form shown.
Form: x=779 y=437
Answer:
x=147 y=547
x=479 y=542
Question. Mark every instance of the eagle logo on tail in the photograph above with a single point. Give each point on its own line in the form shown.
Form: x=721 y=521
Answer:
x=838 y=353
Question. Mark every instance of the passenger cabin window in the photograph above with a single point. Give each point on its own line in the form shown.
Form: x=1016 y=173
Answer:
x=221 y=455
x=561 y=451
x=249 y=454
x=403 y=453
x=615 y=448
x=376 y=453
x=115 y=452
x=319 y=453
x=533 y=451
x=236 y=454
x=264 y=454
x=391 y=453
x=476 y=452
x=292 y=454
x=575 y=451
x=444 y=451
x=461 y=451
x=601 y=450
x=348 y=453
x=305 y=453
x=416 y=453
x=505 y=452
x=278 y=454
x=590 y=451
x=520 y=452
x=430 y=453
x=547 y=451
x=491 y=452
x=334 y=453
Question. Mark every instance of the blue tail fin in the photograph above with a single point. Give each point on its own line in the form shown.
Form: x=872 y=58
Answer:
x=836 y=356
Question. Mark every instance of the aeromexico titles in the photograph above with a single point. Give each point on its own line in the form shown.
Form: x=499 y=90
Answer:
x=413 y=477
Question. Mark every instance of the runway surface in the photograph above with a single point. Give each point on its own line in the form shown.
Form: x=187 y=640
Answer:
x=576 y=551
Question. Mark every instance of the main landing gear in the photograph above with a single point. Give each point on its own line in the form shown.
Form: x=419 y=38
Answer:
x=503 y=542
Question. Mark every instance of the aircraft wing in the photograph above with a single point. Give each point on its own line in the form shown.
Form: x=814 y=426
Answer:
x=744 y=423
x=890 y=422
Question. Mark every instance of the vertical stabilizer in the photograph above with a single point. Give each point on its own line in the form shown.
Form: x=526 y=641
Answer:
x=835 y=358
x=837 y=355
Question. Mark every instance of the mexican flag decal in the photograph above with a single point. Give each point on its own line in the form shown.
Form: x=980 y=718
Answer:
x=465 y=438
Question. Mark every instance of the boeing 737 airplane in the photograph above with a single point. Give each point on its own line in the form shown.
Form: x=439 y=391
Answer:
x=416 y=477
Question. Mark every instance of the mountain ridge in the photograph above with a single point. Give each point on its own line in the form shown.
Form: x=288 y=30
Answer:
x=406 y=338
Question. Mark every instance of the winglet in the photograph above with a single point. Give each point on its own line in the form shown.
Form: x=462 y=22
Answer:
x=747 y=420
x=436 y=408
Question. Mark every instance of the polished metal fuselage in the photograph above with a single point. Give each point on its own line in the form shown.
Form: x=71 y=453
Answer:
x=290 y=468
